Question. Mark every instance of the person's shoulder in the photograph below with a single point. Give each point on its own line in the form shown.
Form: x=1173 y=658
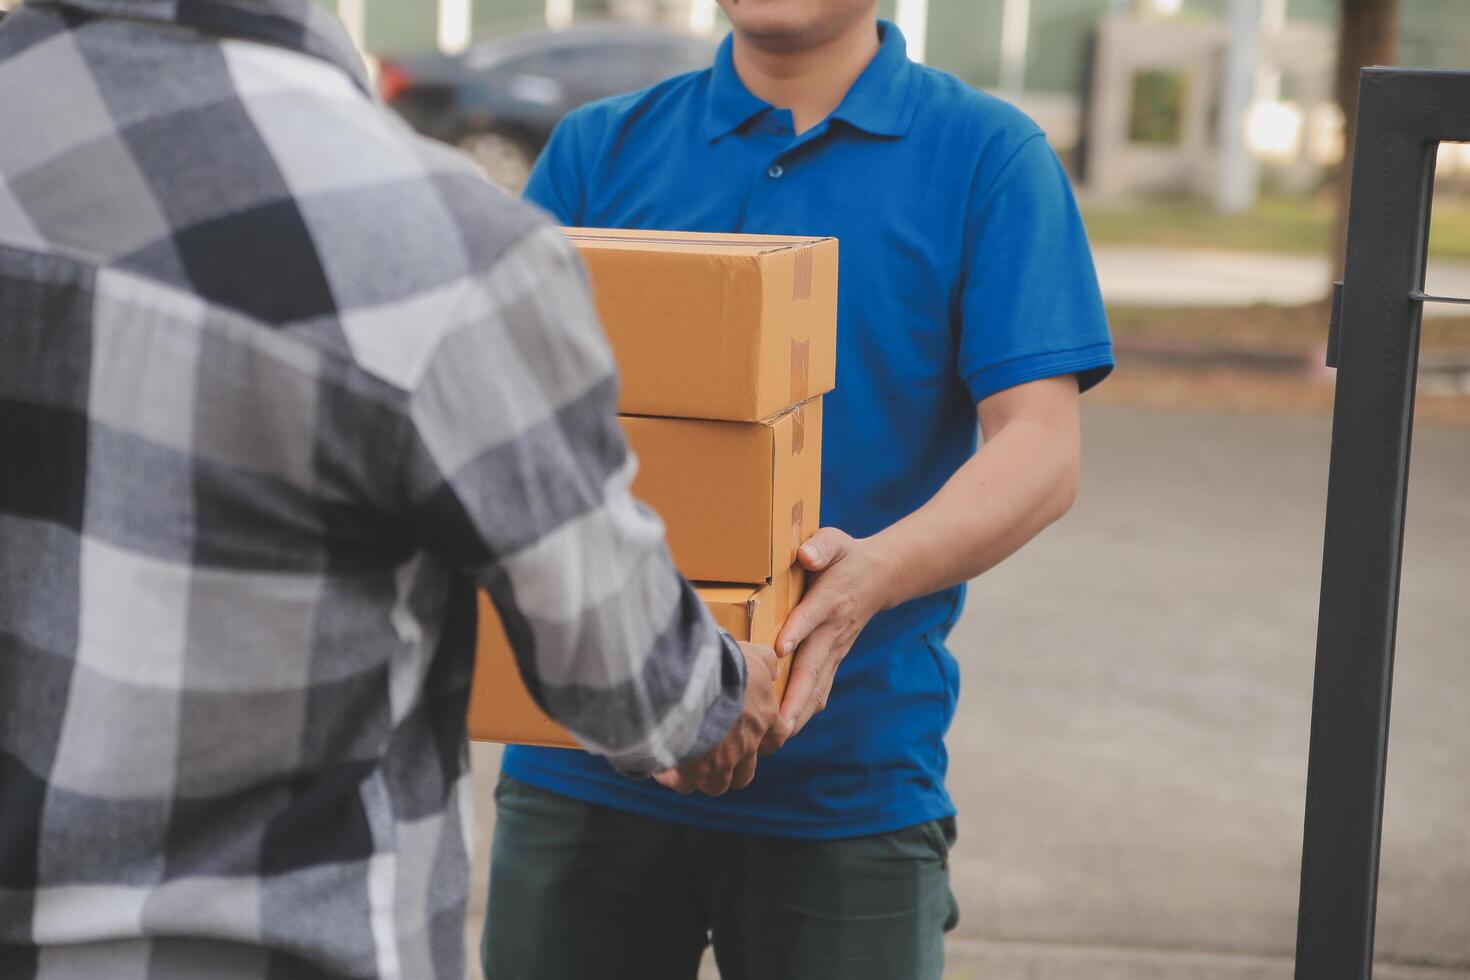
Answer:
x=349 y=161
x=351 y=156
x=986 y=123
x=405 y=229
x=452 y=234
x=474 y=204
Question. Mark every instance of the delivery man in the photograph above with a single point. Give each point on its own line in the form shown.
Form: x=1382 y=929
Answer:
x=280 y=383
x=967 y=295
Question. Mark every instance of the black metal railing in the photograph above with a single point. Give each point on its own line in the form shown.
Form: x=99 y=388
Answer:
x=1403 y=116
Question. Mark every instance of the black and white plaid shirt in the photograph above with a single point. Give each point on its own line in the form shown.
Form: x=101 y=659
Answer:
x=279 y=384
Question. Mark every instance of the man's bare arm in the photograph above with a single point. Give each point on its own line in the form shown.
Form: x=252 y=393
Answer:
x=1023 y=478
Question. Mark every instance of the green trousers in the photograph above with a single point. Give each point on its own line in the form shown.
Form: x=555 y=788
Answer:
x=583 y=891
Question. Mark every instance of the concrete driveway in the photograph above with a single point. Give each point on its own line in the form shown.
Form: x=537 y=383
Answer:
x=1130 y=752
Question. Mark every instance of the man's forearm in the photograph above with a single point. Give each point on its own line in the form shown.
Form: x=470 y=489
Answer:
x=1023 y=478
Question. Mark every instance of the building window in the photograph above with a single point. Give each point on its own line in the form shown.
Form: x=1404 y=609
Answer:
x=1156 y=109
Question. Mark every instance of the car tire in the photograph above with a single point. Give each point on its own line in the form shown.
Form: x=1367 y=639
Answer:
x=503 y=158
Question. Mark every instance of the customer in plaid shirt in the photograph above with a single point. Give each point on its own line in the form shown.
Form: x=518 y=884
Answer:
x=279 y=384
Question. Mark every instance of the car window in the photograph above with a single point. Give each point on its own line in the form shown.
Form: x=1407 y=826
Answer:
x=608 y=67
x=593 y=70
x=581 y=70
x=659 y=61
x=530 y=61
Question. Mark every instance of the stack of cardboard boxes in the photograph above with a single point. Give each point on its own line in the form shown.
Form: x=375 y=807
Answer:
x=725 y=345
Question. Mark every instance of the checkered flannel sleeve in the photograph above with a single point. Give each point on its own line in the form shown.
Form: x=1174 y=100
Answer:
x=520 y=476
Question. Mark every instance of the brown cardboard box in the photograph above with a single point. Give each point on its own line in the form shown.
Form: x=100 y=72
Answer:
x=501 y=709
x=738 y=498
x=734 y=327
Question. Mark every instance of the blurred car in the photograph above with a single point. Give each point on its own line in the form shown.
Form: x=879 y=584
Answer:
x=500 y=100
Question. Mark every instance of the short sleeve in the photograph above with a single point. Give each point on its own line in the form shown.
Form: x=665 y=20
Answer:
x=1030 y=304
x=555 y=184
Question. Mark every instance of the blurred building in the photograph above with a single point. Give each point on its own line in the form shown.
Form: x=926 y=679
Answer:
x=1039 y=44
x=1127 y=90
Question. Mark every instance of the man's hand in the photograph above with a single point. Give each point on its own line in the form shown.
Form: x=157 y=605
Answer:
x=760 y=729
x=851 y=582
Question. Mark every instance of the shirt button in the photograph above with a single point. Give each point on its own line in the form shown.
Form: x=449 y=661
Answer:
x=776 y=171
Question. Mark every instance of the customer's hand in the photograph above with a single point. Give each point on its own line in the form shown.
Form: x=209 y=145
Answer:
x=851 y=582
x=759 y=730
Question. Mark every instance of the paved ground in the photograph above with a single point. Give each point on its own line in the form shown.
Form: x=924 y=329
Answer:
x=1130 y=753
x=1130 y=276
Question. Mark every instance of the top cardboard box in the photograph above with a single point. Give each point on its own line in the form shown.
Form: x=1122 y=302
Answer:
x=734 y=327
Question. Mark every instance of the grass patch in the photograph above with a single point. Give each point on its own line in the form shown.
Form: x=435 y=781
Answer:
x=1293 y=225
x=1284 y=329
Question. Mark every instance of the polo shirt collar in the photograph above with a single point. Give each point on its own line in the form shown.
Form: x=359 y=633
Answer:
x=731 y=104
x=880 y=102
x=303 y=26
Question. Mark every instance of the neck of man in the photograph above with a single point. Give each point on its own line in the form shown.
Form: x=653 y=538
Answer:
x=810 y=81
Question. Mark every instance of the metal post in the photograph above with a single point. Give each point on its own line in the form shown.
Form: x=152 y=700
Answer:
x=455 y=25
x=1403 y=115
x=912 y=17
x=1015 y=42
x=702 y=16
x=1236 y=185
x=559 y=14
x=354 y=17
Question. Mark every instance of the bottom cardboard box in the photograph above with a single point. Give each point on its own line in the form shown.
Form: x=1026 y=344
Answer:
x=501 y=709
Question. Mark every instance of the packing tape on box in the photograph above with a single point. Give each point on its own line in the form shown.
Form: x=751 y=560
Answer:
x=801 y=281
x=801 y=356
x=798 y=430
x=752 y=241
x=798 y=519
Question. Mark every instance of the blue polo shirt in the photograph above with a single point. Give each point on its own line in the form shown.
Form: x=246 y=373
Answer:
x=964 y=270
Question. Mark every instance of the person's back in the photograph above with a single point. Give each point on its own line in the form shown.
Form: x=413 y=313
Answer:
x=243 y=316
